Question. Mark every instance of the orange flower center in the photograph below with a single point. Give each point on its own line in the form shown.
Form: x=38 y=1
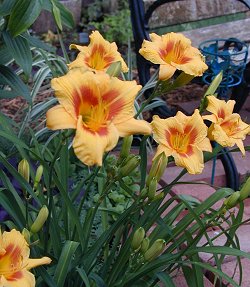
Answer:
x=231 y=127
x=181 y=142
x=97 y=112
x=98 y=58
x=173 y=52
x=11 y=262
x=96 y=117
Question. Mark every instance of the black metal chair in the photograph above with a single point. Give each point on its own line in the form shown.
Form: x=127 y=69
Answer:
x=140 y=19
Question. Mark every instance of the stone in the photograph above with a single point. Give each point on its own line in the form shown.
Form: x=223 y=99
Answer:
x=191 y=10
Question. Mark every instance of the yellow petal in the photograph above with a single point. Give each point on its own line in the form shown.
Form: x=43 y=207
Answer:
x=32 y=263
x=58 y=118
x=22 y=279
x=194 y=163
x=150 y=51
x=240 y=145
x=132 y=126
x=166 y=72
x=90 y=146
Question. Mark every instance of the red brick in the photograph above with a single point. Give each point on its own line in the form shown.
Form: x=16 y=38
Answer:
x=229 y=268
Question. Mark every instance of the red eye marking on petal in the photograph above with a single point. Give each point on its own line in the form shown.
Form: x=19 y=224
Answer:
x=221 y=113
x=15 y=276
x=115 y=106
x=14 y=252
x=86 y=97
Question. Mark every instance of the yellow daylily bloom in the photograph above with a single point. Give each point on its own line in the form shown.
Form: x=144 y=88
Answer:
x=15 y=262
x=184 y=138
x=99 y=107
x=227 y=128
x=173 y=51
x=98 y=55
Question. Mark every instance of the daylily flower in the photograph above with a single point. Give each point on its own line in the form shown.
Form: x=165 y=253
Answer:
x=173 y=51
x=15 y=262
x=98 y=55
x=184 y=138
x=227 y=128
x=99 y=107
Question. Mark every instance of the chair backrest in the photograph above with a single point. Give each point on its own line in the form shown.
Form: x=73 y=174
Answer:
x=140 y=19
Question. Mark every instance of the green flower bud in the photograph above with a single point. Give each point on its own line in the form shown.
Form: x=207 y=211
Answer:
x=138 y=238
x=114 y=69
x=126 y=146
x=152 y=188
x=155 y=250
x=38 y=176
x=144 y=245
x=26 y=235
x=144 y=192
x=24 y=169
x=232 y=200
x=129 y=166
x=158 y=167
x=245 y=190
x=40 y=220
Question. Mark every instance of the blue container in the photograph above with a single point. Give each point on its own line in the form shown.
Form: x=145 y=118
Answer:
x=227 y=55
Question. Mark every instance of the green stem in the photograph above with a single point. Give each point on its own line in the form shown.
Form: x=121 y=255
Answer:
x=65 y=55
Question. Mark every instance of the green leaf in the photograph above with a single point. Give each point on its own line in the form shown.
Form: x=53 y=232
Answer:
x=165 y=279
x=14 y=82
x=63 y=264
x=23 y=15
x=66 y=15
x=19 y=48
x=57 y=15
x=84 y=276
x=4 y=94
x=6 y=6
x=5 y=55
x=36 y=42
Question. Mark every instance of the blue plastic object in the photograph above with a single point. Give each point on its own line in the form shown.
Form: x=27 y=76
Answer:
x=227 y=55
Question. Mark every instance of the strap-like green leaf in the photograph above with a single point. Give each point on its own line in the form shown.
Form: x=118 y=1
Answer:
x=23 y=15
x=65 y=259
x=14 y=82
x=19 y=48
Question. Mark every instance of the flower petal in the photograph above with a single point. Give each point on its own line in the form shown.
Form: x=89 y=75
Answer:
x=133 y=126
x=58 y=118
x=90 y=146
x=19 y=279
x=32 y=263
x=194 y=163
x=166 y=72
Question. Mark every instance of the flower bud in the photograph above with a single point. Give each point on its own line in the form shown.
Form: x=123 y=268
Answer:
x=158 y=167
x=232 y=200
x=40 y=220
x=26 y=235
x=144 y=192
x=155 y=250
x=24 y=169
x=114 y=69
x=126 y=146
x=129 y=166
x=245 y=190
x=144 y=245
x=152 y=188
x=138 y=238
x=38 y=176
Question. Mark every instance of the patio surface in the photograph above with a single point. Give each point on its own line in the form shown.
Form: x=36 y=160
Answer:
x=201 y=192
